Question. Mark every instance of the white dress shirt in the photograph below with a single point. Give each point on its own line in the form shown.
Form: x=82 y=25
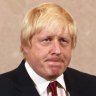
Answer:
x=42 y=84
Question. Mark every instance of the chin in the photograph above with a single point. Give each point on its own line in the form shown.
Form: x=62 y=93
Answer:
x=53 y=77
x=56 y=74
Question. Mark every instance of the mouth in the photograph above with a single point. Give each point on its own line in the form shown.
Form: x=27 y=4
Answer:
x=54 y=61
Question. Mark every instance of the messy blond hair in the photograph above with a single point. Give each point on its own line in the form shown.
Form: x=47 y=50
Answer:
x=48 y=13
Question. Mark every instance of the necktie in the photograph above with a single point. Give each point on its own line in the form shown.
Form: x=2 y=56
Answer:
x=53 y=88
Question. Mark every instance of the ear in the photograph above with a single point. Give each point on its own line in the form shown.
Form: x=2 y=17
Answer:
x=26 y=49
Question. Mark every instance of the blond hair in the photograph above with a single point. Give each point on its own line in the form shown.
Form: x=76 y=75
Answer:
x=48 y=13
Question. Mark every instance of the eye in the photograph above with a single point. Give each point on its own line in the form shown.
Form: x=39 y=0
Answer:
x=64 y=41
x=46 y=41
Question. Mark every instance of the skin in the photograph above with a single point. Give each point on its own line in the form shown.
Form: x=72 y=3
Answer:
x=50 y=53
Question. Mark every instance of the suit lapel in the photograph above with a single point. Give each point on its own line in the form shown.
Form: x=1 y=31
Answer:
x=70 y=83
x=26 y=85
x=29 y=91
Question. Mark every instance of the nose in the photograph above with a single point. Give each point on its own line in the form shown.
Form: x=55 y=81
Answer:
x=56 y=49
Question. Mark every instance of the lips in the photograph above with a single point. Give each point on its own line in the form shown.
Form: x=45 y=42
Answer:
x=54 y=60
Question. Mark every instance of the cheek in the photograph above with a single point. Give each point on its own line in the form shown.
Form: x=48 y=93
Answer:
x=42 y=52
x=67 y=55
x=38 y=56
x=69 y=51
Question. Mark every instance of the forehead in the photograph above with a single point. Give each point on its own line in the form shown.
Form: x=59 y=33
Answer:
x=54 y=32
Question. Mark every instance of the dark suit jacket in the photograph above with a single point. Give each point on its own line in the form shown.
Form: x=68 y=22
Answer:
x=18 y=83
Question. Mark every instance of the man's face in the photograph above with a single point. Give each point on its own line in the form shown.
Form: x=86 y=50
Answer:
x=50 y=53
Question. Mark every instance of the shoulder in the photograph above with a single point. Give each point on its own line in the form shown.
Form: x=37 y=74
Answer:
x=13 y=74
x=7 y=85
x=8 y=77
x=80 y=83
x=78 y=74
x=80 y=80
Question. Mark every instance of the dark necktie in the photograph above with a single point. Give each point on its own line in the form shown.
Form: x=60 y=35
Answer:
x=53 y=88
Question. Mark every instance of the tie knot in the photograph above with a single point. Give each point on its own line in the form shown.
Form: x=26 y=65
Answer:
x=53 y=85
x=53 y=88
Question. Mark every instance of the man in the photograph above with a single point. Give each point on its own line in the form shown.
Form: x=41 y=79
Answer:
x=48 y=36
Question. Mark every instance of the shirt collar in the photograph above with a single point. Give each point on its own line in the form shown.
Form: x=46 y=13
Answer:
x=41 y=83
